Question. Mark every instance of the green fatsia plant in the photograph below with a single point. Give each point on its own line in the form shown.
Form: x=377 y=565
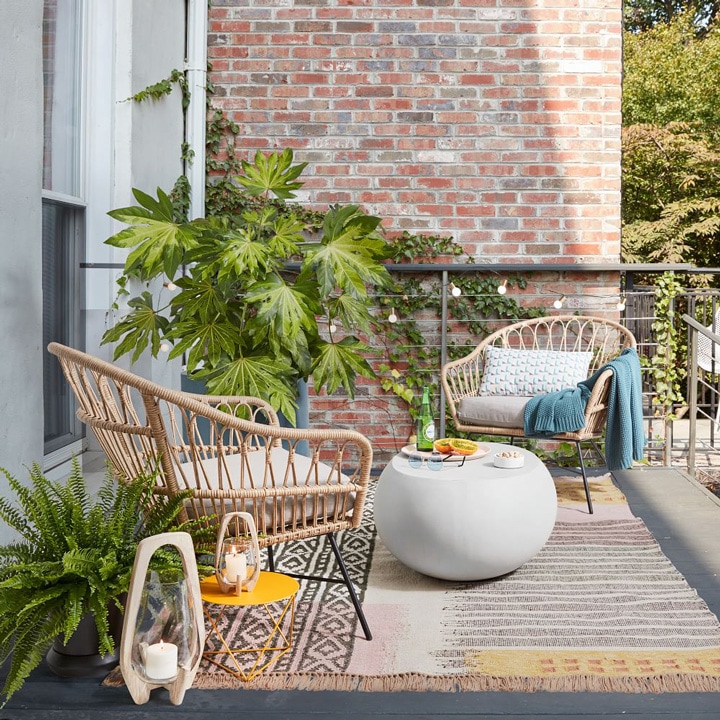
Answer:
x=74 y=555
x=258 y=291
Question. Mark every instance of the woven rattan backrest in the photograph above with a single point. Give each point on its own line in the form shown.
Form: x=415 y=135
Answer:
x=604 y=338
x=222 y=449
x=122 y=411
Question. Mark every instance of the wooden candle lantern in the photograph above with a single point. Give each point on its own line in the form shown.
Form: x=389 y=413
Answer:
x=163 y=628
x=237 y=557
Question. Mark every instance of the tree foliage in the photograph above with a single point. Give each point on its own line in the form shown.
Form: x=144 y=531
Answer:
x=642 y=15
x=670 y=75
x=671 y=145
x=666 y=165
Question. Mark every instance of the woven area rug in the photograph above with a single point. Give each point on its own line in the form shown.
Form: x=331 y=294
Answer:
x=600 y=608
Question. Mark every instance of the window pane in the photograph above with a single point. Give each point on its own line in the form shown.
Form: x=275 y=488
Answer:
x=61 y=73
x=62 y=230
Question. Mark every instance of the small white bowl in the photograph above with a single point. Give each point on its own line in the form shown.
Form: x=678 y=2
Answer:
x=508 y=462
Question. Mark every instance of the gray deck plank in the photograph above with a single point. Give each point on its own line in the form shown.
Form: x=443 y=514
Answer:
x=684 y=518
x=679 y=513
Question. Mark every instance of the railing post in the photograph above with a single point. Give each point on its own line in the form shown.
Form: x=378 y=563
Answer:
x=443 y=347
x=692 y=400
x=692 y=395
x=669 y=410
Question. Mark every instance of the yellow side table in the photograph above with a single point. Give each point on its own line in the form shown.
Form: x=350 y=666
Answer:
x=272 y=588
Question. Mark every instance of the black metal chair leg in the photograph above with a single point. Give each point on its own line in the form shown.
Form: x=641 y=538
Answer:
x=584 y=477
x=350 y=587
x=271 y=558
x=599 y=451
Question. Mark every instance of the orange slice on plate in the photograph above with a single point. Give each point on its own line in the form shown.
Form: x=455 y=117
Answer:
x=463 y=447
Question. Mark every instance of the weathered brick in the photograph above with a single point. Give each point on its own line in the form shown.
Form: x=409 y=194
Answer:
x=499 y=125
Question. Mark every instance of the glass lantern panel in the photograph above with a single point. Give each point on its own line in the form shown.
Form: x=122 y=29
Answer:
x=165 y=634
x=237 y=559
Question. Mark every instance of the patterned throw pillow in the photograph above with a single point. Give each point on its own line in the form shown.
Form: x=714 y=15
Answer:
x=532 y=372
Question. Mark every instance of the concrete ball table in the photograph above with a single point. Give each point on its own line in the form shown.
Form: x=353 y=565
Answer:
x=465 y=523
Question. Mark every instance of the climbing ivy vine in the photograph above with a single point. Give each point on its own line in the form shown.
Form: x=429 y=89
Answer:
x=410 y=359
x=664 y=367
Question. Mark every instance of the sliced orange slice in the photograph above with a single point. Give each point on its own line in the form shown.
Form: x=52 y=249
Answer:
x=464 y=447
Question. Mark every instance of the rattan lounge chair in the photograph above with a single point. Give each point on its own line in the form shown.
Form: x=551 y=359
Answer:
x=230 y=452
x=462 y=379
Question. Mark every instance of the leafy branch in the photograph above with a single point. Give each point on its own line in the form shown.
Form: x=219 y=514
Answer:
x=664 y=366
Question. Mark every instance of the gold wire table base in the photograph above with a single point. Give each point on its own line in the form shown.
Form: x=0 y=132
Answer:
x=281 y=620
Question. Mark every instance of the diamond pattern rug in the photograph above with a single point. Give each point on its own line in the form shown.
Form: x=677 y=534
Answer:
x=600 y=608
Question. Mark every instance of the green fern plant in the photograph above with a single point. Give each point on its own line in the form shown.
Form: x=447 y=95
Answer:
x=74 y=555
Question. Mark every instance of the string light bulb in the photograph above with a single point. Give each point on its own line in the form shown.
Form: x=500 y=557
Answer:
x=559 y=302
x=170 y=285
x=392 y=317
x=502 y=287
x=621 y=303
x=455 y=291
x=332 y=327
x=164 y=347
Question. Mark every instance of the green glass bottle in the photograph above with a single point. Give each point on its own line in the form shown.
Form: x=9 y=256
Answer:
x=426 y=424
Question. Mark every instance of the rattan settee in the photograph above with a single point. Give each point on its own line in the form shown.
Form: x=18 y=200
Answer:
x=474 y=412
x=230 y=452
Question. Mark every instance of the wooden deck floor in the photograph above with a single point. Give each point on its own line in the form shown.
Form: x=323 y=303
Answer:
x=683 y=517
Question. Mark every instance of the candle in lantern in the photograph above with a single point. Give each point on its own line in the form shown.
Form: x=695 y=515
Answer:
x=161 y=661
x=235 y=565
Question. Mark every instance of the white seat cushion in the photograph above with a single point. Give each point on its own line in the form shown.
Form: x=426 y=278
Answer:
x=279 y=472
x=493 y=410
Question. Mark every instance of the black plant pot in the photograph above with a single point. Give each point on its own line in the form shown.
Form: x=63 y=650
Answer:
x=79 y=657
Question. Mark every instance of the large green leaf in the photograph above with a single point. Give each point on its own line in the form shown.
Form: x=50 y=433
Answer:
x=242 y=253
x=143 y=325
x=351 y=312
x=286 y=308
x=285 y=236
x=201 y=298
x=204 y=341
x=158 y=241
x=348 y=256
x=272 y=174
x=337 y=365
x=255 y=375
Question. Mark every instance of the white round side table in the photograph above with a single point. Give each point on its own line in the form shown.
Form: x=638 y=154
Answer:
x=465 y=523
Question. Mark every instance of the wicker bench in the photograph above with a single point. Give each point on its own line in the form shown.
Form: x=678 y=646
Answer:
x=475 y=411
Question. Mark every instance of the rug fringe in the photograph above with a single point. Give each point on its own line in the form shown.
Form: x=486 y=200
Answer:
x=417 y=682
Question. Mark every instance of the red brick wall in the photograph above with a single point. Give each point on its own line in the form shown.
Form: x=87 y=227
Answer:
x=496 y=123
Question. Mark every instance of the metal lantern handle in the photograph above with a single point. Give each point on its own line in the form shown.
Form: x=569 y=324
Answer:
x=249 y=583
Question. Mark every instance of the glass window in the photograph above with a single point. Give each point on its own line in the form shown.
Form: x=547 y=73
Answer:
x=62 y=52
x=63 y=235
x=62 y=231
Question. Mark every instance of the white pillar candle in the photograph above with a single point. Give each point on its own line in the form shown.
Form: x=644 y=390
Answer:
x=161 y=661
x=235 y=564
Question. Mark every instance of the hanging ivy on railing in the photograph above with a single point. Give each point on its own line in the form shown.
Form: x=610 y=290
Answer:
x=664 y=366
x=410 y=359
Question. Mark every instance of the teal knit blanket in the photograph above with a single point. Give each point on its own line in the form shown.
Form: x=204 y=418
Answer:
x=564 y=411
